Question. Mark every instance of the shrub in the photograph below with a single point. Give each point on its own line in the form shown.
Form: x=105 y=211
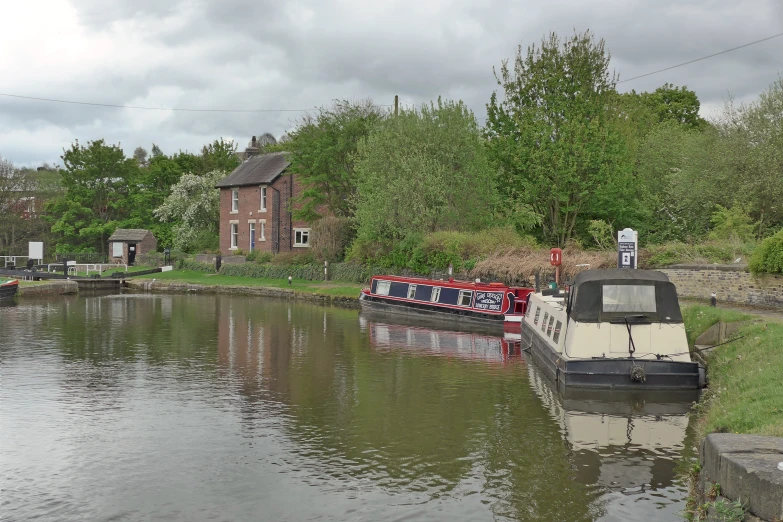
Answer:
x=330 y=237
x=769 y=256
x=726 y=251
x=346 y=272
x=259 y=256
x=296 y=257
x=732 y=223
x=190 y=264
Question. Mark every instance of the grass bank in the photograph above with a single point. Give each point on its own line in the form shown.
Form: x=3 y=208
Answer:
x=328 y=288
x=745 y=393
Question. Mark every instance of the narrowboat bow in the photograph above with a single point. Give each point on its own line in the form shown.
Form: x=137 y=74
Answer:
x=8 y=288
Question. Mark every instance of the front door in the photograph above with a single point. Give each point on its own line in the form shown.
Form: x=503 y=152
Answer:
x=252 y=237
x=131 y=253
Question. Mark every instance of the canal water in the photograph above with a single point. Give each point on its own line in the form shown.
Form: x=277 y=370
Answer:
x=160 y=407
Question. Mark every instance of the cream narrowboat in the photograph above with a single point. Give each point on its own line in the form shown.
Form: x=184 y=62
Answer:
x=616 y=328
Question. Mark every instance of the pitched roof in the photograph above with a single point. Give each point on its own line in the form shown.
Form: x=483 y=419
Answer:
x=264 y=168
x=129 y=234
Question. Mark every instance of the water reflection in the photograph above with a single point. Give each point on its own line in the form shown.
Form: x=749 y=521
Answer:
x=198 y=407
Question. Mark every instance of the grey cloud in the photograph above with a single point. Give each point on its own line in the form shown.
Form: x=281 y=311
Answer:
x=304 y=53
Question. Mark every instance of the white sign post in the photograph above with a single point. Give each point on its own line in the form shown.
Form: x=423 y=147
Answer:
x=35 y=251
x=627 y=248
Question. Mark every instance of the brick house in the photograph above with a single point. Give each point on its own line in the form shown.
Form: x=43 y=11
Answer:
x=126 y=244
x=255 y=207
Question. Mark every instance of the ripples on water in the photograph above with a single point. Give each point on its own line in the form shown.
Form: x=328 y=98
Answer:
x=214 y=408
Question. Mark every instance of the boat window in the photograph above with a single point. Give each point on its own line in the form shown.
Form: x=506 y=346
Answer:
x=435 y=294
x=543 y=323
x=538 y=312
x=629 y=298
x=549 y=326
x=383 y=287
x=465 y=297
x=556 y=336
x=411 y=291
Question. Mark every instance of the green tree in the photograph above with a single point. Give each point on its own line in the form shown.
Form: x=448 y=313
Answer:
x=194 y=207
x=670 y=103
x=323 y=147
x=98 y=180
x=554 y=135
x=218 y=155
x=422 y=171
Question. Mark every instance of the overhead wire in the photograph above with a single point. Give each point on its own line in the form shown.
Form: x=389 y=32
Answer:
x=702 y=58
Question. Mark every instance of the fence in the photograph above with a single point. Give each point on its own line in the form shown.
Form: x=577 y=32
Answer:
x=82 y=257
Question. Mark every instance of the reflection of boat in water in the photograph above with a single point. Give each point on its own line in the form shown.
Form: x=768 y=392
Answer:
x=424 y=337
x=629 y=441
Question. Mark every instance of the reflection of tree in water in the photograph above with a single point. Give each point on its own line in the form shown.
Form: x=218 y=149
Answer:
x=422 y=426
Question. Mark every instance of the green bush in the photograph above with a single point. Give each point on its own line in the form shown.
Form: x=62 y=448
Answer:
x=258 y=256
x=725 y=252
x=345 y=272
x=302 y=256
x=190 y=264
x=329 y=238
x=769 y=256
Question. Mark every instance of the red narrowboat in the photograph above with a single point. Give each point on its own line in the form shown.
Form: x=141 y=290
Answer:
x=488 y=303
x=8 y=288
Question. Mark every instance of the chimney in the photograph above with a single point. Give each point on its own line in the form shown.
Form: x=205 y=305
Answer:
x=252 y=150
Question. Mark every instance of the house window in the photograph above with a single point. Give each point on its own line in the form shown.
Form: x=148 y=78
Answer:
x=234 y=200
x=263 y=231
x=411 y=291
x=543 y=323
x=234 y=235
x=116 y=249
x=263 y=199
x=558 y=327
x=538 y=313
x=549 y=326
x=383 y=288
x=465 y=297
x=435 y=294
x=301 y=237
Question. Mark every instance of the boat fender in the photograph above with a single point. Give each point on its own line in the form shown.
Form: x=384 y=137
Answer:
x=702 y=376
x=637 y=373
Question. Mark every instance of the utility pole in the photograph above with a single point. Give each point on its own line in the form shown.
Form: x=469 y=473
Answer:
x=396 y=104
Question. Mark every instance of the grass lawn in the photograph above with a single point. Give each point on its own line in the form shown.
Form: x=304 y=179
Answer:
x=745 y=393
x=338 y=289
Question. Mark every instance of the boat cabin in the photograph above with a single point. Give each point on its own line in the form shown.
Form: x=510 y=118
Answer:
x=611 y=313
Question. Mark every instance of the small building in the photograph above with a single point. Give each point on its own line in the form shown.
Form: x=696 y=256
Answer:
x=256 y=201
x=128 y=243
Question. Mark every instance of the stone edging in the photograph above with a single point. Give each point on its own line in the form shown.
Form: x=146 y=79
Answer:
x=745 y=467
x=58 y=287
x=149 y=285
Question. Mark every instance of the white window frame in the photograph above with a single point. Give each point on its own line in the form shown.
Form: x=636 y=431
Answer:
x=252 y=227
x=465 y=293
x=435 y=297
x=117 y=247
x=262 y=229
x=233 y=234
x=411 y=291
x=382 y=287
x=302 y=231
x=263 y=199
x=235 y=201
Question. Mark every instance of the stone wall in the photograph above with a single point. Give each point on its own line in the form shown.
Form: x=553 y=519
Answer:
x=731 y=284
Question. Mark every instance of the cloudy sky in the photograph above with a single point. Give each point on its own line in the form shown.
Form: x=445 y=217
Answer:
x=301 y=54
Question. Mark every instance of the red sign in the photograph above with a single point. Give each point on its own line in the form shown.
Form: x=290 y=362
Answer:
x=556 y=257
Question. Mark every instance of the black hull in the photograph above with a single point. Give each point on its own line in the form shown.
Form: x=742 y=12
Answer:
x=378 y=305
x=8 y=292
x=611 y=373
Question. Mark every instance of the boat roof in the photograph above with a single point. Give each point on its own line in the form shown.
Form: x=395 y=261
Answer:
x=456 y=283
x=619 y=274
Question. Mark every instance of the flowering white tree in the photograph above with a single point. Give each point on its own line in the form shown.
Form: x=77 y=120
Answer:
x=194 y=204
